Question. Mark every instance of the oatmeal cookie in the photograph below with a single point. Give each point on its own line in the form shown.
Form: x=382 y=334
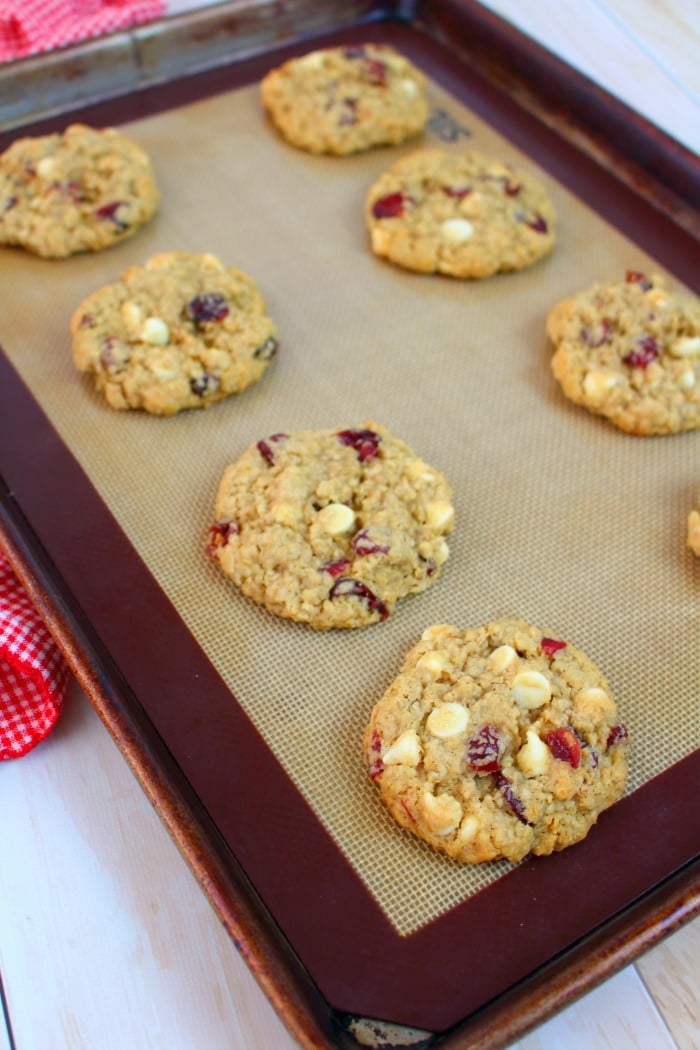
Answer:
x=81 y=190
x=497 y=741
x=461 y=214
x=331 y=527
x=630 y=351
x=342 y=100
x=182 y=331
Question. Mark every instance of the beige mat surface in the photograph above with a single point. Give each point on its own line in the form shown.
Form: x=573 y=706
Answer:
x=561 y=519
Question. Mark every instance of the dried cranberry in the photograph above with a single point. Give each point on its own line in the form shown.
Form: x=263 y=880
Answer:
x=457 y=194
x=512 y=189
x=511 y=798
x=376 y=769
x=538 y=224
x=565 y=745
x=109 y=211
x=87 y=321
x=207 y=307
x=10 y=203
x=404 y=807
x=430 y=565
x=264 y=448
x=219 y=534
x=599 y=339
x=616 y=735
x=347 y=587
x=646 y=351
x=375 y=71
x=485 y=750
x=376 y=743
x=550 y=646
x=266 y=350
x=336 y=568
x=204 y=384
x=365 y=442
x=362 y=544
x=392 y=206
x=636 y=277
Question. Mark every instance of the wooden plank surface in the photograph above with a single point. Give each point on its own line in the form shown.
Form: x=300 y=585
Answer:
x=105 y=938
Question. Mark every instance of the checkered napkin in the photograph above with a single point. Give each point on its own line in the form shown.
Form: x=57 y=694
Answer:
x=28 y=27
x=33 y=675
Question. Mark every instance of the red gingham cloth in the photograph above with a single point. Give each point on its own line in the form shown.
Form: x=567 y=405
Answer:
x=33 y=675
x=30 y=26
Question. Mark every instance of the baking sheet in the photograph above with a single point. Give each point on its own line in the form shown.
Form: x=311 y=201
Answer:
x=560 y=518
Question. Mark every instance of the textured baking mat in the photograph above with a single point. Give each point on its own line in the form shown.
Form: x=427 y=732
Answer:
x=561 y=519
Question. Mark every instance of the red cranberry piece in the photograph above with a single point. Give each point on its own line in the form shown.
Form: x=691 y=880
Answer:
x=636 y=277
x=10 y=203
x=376 y=769
x=646 y=351
x=87 y=321
x=485 y=750
x=336 y=568
x=113 y=354
x=511 y=798
x=407 y=811
x=207 y=307
x=565 y=745
x=109 y=211
x=550 y=646
x=511 y=188
x=219 y=534
x=204 y=384
x=365 y=442
x=616 y=735
x=264 y=449
x=347 y=587
x=456 y=194
x=375 y=71
x=600 y=338
x=538 y=224
x=430 y=565
x=362 y=544
x=267 y=350
x=391 y=206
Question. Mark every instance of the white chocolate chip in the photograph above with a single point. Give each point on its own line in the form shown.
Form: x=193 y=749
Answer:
x=533 y=757
x=531 y=689
x=657 y=298
x=686 y=346
x=162 y=364
x=314 y=60
x=46 y=167
x=405 y=751
x=447 y=720
x=435 y=662
x=503 y=658
x=456 y=231
x=468 y=829
x=155 y=331
x=595 y=702
x=687 y=379
x=132 y=316
x=597 y=384
x=442 y=553
x=408 y=87
x=440 y=514
x=435 y=631
x=212 y=261
x=336 y=518
x=442 y=813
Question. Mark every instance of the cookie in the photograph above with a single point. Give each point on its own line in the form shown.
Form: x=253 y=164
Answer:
x=497 y=741
x=181 y=332
x=342 y=100
x=461 y=214
x=331 y=527
x=630 y=351
x=78 y=191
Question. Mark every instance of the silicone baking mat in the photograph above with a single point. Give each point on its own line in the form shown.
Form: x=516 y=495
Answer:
x=560 y=518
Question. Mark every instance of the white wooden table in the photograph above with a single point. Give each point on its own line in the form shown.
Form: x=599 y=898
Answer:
x=106 y=940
